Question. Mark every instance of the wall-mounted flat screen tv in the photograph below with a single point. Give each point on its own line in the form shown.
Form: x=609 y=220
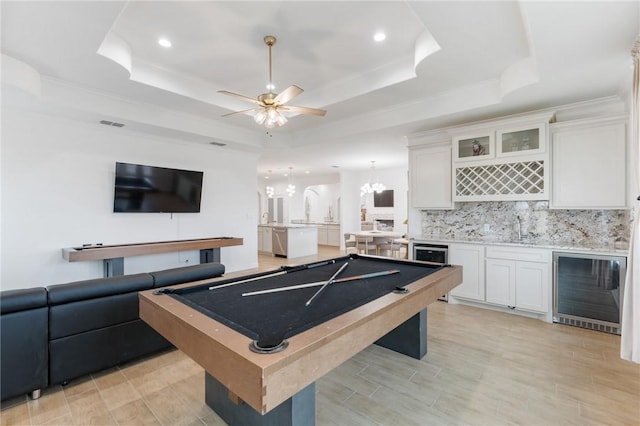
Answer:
x=149 y=189
x=383 y=199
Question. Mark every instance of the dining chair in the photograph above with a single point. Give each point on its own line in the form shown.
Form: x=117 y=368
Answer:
x=366 y=245
x=389 y=248
x=350 y=244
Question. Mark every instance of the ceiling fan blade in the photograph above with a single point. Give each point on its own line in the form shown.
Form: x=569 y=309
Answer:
x=304 y=110
x=287 y=94
x=240 y=112
x=246 y=98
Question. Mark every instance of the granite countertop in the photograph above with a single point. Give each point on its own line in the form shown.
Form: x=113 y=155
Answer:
x=288 y=225
x=617 y=248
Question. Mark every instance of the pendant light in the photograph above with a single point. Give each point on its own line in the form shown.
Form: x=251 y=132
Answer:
x=291 y=189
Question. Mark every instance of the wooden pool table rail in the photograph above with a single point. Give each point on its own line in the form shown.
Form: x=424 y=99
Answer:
x=265 y=380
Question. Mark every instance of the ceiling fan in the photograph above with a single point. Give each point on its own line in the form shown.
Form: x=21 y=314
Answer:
x=269 y=106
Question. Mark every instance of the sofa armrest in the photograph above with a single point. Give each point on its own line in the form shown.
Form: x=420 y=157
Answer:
x=24 y=337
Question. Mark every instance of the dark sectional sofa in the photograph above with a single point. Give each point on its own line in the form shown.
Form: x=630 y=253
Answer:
x=55 y=334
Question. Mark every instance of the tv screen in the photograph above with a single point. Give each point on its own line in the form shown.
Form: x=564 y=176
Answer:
x=383 y=199
x=148 y=189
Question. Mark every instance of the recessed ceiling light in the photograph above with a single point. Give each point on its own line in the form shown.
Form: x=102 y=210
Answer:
x=307 y=172
x=379 y=36
x=164 y=42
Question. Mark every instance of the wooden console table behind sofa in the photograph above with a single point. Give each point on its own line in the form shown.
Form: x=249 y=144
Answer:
x=113 y=256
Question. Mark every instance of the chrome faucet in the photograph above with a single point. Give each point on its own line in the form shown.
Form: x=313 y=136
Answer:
x=519 y=228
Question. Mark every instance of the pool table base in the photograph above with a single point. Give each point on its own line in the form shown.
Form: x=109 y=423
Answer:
x=299 y=410
x=409 y=338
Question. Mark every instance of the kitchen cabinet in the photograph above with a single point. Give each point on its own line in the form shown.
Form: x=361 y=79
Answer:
x=329 y=235
x=518 y=278
x=430 y=176
x=333 y=235
x=501 y=160
x=475 y=146
x=265 y=237
x=471 y=257
x=589 y=164
x=521 y=140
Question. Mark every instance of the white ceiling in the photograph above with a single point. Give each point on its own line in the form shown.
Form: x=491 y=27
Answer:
x=442 y=63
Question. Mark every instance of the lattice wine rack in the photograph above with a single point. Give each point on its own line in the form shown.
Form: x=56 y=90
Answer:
x=497 y=181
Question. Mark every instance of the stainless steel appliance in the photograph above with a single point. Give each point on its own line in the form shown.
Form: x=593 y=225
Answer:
x=436 y=253
x=279 y=241
x=587 y=290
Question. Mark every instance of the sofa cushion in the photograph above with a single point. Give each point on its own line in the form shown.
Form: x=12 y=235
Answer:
x=22 y=299
x=187 y=274
x=86 y=315
x=99 y=287
x=86 y=353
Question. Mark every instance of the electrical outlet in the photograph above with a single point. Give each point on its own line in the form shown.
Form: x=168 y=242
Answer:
x=487 y=228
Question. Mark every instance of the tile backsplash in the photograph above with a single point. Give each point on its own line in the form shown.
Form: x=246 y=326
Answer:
x=498 y=221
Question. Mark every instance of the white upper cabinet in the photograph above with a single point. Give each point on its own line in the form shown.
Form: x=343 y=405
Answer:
x=589 y=165
x=502 y=160
x=430 y=173
x=522 y=140
x=474 y=147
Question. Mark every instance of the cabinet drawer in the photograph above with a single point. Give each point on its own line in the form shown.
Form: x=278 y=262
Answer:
x=517 y=253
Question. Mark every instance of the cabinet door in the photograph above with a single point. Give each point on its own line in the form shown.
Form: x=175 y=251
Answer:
x=532 y=286
x=266 y=239
x=322 y=235
x=333 y=236
x=430 y=177
x=471 y=257
x=501 y=282
x=589 y=166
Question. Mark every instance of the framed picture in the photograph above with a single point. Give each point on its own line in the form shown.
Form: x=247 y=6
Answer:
x=472 y=148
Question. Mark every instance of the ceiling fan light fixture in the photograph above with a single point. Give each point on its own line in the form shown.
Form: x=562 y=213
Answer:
x=260 y=116
x=267 y=105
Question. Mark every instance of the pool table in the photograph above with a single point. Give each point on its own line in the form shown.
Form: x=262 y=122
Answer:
x=263 y=352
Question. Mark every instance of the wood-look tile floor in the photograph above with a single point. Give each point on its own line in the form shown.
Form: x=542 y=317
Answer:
x=482 y=368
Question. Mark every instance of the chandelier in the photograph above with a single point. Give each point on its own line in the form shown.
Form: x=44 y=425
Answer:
x=370 y=187
x=291 y=189
x=269 y=189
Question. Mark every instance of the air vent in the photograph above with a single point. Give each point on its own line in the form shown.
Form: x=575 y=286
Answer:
x=111 y=123
x=217 y=143
x=587 y=324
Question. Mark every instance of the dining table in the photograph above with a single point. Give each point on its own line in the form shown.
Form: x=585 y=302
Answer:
x=378 y=237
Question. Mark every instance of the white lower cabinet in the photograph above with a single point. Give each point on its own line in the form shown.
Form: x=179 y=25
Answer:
x=471 y=257
x=329 y=235
x=264 y=239
x=501 y=282
x=518 y=278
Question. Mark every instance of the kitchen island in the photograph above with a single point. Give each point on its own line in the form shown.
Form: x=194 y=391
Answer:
x=291 y=240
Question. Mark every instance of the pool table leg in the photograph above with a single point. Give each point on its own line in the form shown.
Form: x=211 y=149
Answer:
x=409 y=338
x=299 y=410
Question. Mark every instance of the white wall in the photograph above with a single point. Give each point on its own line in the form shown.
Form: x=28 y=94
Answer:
x=57 y=191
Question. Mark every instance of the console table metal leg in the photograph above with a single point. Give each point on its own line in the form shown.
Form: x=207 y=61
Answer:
x=210 y=255
x=113 y=267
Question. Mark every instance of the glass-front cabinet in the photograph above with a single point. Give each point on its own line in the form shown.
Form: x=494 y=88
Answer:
x=520 y=141
x=473 y=148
